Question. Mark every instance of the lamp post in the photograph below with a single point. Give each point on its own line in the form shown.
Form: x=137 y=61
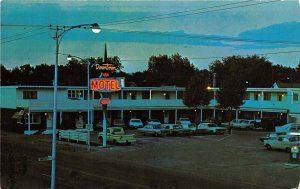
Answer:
x=69 y=58
x=60 y=31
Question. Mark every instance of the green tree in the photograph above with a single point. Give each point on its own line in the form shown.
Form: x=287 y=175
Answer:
x=256 y=70
x=169 y=70
x=196 y=94
x=5 y=76
x=232 y=87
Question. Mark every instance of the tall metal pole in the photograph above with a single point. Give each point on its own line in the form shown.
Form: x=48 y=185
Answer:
x=88 y=85
x=54 y=113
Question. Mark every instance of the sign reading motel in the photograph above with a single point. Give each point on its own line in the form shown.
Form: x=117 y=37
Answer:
x=105 y=84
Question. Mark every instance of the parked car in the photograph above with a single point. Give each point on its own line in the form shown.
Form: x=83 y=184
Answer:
x=185 y=122
x=117 y=135
x=154 y=122
x=290 y=127
x=271 y=136
x=154 y=129
x=245 y=124
x=282 y=142
x=177 y=130
x=211 y=128
x=233 y=122
x=135 y=123
x=118 y=123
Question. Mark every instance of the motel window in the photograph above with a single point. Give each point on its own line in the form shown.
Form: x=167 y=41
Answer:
x=133 y=95
x=295 y=96
x=29 y=94
x=179 y=94
x=280 y=97
x=35 y=118
x=256 y=96
x=267 y=96
x=166 y=95
x=75 y=94
x=146 y=95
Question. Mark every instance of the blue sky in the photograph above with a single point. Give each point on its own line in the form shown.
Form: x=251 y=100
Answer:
x=198 y=30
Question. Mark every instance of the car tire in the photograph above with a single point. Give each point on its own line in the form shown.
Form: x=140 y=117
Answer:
x=269 y=147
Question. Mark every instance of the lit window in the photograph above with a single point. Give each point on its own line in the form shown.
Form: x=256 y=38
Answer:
x=75 y=94
x=29 y=94
x=280 y=96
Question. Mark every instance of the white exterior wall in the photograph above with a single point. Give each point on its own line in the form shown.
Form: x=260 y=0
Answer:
x=12 y=97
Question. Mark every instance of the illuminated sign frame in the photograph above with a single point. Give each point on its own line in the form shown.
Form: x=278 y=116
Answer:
x=105 y=84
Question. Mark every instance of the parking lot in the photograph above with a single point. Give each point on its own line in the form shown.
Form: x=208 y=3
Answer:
x=210 y=161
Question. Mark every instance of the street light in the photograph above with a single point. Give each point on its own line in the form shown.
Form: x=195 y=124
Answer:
x=69 y=58
x=60 y=31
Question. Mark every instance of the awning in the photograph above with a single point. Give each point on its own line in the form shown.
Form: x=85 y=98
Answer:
x=18 y=115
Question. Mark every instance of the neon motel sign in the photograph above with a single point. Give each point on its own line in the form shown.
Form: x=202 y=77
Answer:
x=105 y=84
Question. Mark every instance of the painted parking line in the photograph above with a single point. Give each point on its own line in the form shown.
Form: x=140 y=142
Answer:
x=225 y=137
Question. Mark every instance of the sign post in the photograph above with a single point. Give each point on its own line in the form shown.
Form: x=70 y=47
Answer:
x=105 y=85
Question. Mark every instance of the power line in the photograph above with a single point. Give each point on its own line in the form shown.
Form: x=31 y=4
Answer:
x=170 y=15
x=35 y=34
x=23 y=33
x=215 y=38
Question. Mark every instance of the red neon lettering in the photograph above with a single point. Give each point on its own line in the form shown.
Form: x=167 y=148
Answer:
x=105 y=85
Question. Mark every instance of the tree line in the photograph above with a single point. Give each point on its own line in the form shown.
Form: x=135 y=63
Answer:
x=255 y=71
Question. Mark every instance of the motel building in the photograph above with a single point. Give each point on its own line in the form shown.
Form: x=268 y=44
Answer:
x=31 y=107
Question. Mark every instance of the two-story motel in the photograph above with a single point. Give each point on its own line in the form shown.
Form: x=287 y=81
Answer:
x=33 y=105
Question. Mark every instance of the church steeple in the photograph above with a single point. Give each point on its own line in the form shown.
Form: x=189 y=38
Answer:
x=105 y=55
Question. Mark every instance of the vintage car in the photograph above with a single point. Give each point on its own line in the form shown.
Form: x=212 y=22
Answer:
x=153 y=122
x=135 y=123
x=282 y=142
x=244 y=124
x=184 y=121
x=177 y=130
x=117 y=135
x=212 y=128
x=155 y=130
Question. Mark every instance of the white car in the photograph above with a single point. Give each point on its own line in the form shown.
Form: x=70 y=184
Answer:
x=154 y=122
x=211 y=128
x=233 y=122
x=185 y=122
x=135 y=123
x=155 y=130
x=245 y=124
x=282 y=142
x=177 y=130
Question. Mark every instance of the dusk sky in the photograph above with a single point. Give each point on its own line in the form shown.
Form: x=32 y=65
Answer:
x=202 y=31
